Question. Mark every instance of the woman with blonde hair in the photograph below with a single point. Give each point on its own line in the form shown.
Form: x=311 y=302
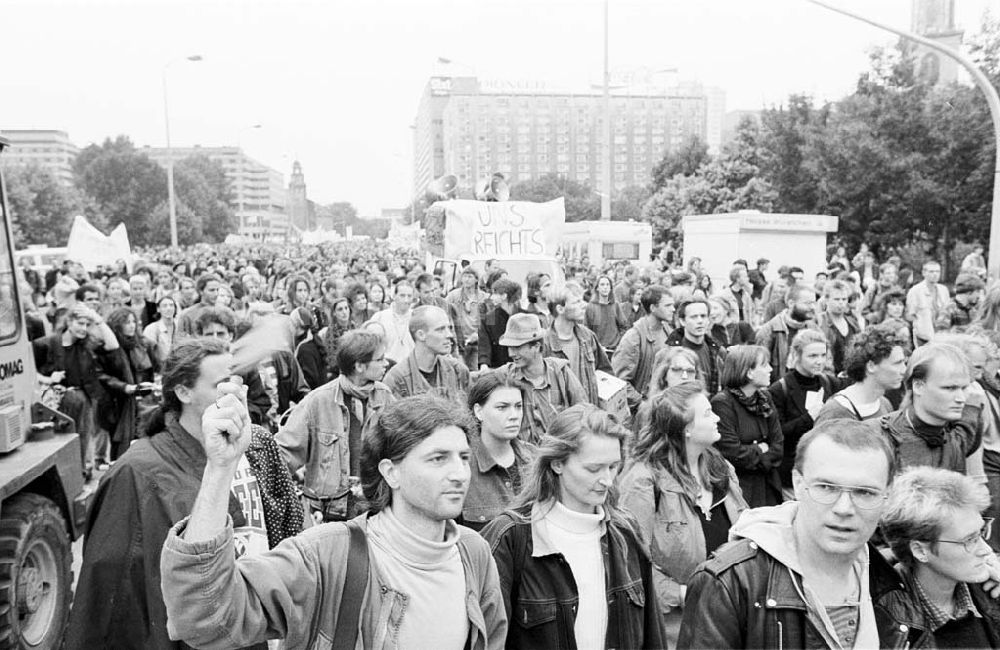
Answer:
x=573 y=572
x=682 y=492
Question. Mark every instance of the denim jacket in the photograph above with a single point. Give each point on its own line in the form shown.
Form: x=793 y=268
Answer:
x=540 y=594
x=316 y=436
x=490 y=488
x=293 y=592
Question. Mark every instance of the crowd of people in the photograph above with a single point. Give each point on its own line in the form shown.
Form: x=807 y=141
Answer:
x=330 y=446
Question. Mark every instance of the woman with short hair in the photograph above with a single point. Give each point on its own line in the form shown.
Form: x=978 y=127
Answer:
x=573 y=572
x=933 y=523
x=682 y=492
x=750 y=431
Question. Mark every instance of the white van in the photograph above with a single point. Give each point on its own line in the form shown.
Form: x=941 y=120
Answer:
x=42 y=258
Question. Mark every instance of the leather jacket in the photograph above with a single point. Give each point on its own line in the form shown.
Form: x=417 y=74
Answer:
x=744 y=598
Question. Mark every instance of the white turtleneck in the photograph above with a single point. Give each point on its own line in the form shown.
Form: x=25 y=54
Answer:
x=432 y=577
x=578 y=537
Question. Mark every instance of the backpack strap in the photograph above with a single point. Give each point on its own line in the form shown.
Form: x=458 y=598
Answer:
x=345 y=637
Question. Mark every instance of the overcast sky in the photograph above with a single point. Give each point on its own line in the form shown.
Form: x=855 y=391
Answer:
x=336 y=84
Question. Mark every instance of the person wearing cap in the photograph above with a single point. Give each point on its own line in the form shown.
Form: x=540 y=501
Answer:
x=961 y=310
x=548 y=385
x=430 y=367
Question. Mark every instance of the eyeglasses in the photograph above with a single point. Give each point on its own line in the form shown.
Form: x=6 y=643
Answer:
x=684 y=372
x=972 y=541
x=828 y=494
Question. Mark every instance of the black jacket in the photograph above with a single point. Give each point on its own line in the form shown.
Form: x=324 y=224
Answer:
x=744 y=598
x=741 y=432
x=715 y=351
x=541 y=598
x=491 y=327
x=153 y=485
x=789 y=399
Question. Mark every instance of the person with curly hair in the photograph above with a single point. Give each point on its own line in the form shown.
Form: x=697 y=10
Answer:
x=875 y=362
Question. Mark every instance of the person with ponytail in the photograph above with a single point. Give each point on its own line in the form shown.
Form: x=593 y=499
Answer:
x=573 y=571
x=683 y=494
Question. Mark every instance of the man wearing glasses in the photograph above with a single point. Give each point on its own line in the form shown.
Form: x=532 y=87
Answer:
x=802 y=574
x=934 y=525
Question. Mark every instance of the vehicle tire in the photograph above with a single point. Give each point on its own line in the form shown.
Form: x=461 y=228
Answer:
x=36 y=573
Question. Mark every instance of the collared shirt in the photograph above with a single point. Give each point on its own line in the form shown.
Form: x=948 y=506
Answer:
x=559 y=390
x=491 y=487
x=936 y=617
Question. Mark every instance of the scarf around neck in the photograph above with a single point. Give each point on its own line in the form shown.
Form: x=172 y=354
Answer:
x=759 y=404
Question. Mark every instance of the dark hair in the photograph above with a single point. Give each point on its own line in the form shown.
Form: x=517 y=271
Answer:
x=484 y=385
x=217 y=316
x=651 y=296
x=692 y=300
x=422 y=279
x=399 y=428
x=510 y=289
x=183 y=367
x=852 y=434
x=291 y=285
x=204 y=279
x=354 y=290
x=872 y=345
x=356 y=346
x=84 y=289
x=740 y=360
x=116 y=321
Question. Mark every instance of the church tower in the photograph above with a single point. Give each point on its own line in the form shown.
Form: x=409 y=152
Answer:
x=935 y=19
x=298 y=204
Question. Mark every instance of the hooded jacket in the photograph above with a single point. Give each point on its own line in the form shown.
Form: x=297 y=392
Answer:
x=715 y=351
x=750 y=594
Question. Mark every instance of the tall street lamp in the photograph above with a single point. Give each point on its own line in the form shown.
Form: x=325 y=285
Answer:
x=992 y=100
x=171 y=200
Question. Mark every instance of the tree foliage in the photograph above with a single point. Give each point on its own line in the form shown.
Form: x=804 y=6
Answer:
x=582 y=202
x=42 y=208
x=692 y=154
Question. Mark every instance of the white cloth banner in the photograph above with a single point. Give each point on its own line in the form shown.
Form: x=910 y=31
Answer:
x=506 y=228
x=92 y=248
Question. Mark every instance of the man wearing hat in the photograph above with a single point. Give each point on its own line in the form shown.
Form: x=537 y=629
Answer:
x=961 y=309
x=547 y=385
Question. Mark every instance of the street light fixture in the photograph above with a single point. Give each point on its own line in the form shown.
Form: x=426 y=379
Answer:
x=171 y=200
x=992 y=100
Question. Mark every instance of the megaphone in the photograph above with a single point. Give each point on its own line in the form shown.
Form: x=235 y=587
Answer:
x=442 y=188
x=494 y=188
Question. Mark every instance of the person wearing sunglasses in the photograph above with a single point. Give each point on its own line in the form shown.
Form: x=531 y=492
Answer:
x=934 y=526
x=802 y=574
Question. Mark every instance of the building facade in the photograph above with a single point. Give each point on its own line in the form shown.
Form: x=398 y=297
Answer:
x=471 y=129
x=258 y=193
x=49 y=149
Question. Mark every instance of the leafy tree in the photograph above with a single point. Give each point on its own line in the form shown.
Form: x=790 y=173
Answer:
x=582 y=202
x=42 y=209
x=125 y=184
x=344 y=214
x=190 y=227
x=692 y=154
x=627 y=203
x=785 y=135
x=204 y=190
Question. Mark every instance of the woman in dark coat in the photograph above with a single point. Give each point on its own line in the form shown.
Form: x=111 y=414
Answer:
x=751 y=437
x=809 y=351
x=126 y=374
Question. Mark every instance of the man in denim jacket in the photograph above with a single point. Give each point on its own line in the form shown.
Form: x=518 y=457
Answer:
x=431 y=582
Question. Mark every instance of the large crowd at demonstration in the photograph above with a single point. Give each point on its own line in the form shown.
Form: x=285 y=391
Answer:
x=332 y=447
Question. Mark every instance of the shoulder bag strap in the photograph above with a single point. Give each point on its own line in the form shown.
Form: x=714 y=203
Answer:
x=345 y=637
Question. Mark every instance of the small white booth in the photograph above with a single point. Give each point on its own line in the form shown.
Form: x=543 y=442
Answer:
x=601 y=241
x=785 y=239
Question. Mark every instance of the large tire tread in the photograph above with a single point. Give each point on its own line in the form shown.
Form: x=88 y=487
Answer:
x=21 y=516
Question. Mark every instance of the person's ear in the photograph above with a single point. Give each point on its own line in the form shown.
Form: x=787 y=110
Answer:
x=184 y=394
x=389 y=472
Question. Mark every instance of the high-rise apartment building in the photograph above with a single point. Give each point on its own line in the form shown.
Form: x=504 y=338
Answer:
x=524 y=130
x=258 y=193
x=48 y=149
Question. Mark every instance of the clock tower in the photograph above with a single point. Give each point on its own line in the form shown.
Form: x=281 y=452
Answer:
x=935 y=19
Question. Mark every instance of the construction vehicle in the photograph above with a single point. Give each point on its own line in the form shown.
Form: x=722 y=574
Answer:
x=43 y=495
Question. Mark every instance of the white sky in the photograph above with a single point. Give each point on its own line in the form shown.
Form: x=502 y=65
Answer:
x=336 y=84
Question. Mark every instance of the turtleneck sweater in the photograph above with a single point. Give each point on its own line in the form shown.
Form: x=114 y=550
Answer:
x=578 y=537
x=431 y=576
x=807 y=383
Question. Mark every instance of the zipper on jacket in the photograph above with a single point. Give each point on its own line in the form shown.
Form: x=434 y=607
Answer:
x=781 y=635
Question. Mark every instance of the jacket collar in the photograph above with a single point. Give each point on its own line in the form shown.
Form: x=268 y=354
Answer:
x=483 y=458
x=555 y=343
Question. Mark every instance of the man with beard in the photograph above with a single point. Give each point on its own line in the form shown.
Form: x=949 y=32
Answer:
x=568 y=338
x=404 y=576
x=324 y=432
x=693 y=335
x=776 y=334
x=430 y=368
x=548 y=386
